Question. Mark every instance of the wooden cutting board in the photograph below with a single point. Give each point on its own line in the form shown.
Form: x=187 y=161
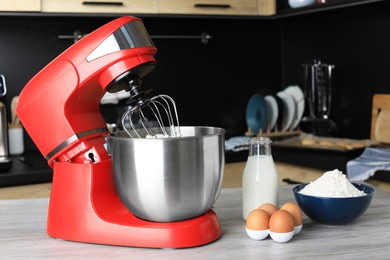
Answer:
x=380 y=120
x=305 y=141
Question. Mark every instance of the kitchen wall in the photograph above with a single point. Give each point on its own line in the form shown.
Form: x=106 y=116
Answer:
x=212 y=82
x=357 y=41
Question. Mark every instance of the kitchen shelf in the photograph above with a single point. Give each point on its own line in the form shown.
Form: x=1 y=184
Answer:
x=284 y=11
x=331 y=5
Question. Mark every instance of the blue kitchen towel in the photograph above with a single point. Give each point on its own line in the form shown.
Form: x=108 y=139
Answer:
x=237 y=143
x=365 y=166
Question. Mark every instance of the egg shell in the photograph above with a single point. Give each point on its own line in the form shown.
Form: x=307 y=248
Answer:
x=269 y=208
x=295 y=211
x=281 y=222
x=257 y=219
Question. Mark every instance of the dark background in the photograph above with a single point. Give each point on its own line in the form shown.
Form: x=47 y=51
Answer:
x=211 y=83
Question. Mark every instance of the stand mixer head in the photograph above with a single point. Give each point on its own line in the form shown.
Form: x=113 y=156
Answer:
x=67 y=92
x=60 y=110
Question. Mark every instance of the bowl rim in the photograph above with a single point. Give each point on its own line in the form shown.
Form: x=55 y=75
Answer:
x=299 y=187
x=219 y=131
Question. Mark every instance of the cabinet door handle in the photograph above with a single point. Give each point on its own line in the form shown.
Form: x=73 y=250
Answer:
x=102 y=3
x=200 y=5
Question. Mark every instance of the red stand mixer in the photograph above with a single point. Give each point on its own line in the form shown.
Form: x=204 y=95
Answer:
x=84 y=204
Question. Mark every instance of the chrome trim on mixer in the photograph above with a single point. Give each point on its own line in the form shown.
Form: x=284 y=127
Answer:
x=74 y=138
x=130 y=35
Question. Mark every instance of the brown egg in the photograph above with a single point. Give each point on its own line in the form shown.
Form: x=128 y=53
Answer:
x=281 y=222
x=269 y=208
x=257 y=219
x=295 y=211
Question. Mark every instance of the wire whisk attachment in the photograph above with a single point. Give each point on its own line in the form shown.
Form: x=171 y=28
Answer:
x=152 y=118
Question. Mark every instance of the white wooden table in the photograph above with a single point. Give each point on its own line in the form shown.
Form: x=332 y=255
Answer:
x=23 y=234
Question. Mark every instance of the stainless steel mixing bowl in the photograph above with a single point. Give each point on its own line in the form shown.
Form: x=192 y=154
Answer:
x=169 y=179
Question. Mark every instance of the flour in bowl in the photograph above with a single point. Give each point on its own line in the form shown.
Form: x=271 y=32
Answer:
x=332 y=184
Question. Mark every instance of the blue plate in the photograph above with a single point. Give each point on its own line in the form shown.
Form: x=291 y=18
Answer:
x=256 y=113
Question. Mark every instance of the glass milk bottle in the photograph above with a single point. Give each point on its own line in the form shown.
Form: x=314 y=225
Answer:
x=260 y=178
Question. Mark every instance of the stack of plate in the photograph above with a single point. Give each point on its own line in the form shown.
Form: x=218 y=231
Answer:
x=280 y=112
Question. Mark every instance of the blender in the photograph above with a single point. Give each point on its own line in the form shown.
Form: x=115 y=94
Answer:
x=317 y=85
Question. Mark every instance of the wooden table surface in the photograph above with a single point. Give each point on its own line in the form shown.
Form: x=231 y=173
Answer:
x=23 y=235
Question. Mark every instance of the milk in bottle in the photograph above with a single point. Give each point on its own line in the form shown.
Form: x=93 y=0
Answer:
x=260 y=177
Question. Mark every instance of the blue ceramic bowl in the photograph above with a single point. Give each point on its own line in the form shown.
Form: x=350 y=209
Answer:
x=334 y=211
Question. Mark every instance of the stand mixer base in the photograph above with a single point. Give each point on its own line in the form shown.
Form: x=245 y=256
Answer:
x=85 y=207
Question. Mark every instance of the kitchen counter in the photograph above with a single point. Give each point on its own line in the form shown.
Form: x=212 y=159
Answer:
x=28 y=168
x=232 y=179
x=23 y=234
